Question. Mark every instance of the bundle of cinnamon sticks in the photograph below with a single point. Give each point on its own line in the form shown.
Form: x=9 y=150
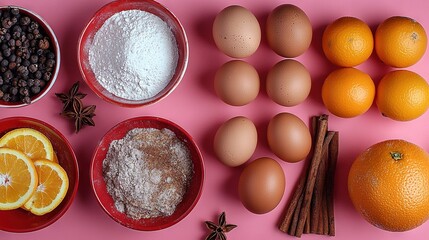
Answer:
x=311 y=209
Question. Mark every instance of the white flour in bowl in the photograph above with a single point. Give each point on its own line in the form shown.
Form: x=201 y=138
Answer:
x=134 y=55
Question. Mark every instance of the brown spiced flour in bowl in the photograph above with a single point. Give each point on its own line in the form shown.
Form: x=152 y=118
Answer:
x=147 y=173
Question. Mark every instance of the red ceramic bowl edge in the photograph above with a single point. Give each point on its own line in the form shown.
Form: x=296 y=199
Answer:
x=202 y=174
x=76 y=175
x=152 y=101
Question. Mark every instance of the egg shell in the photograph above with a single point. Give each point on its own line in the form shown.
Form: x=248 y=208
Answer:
x=237 y=83
x=288 y=83
x=236 y=32
x=288 y=137
x=235 y=141
x=261 y=185
x=289 y=31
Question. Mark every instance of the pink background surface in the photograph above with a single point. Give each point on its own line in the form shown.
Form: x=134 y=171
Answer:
x=195 y=107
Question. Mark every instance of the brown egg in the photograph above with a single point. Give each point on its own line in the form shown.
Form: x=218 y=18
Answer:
x=288 y=137
x=289 y=31
x=288 y=83
x=237 y=83
x=261 y=185
x=236 y=32
x=235 y=141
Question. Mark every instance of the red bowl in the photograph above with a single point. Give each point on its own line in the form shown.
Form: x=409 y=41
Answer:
x=95 y=24
x=20 y=220
x=105 y=200
x=56 y=47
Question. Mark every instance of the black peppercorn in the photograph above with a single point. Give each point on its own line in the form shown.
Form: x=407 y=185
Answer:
x=16 y=35
x=30 y=82
x=22 y=70
x=12 y=58
x=4 y=63
x=33 y=68
x=50 y=63
x=26 y=100
x=7 y=75
x=6 y=23
x=33 y=25
x=25 y=63
x=35 y=89
x=22 y=83
x=44 y=44
x=16 y=28
x=14 y=11
x=50 y=55
x=24 y=91
x=42 y=59
x=12 y=65
x=30 y=36
x=7 y=52
x=13 y=90
x=18 y=43
x=5 y=88
x=27 y=60
x=42 y=83
x=34 y=58
x=6 y=97
x=47 y=76
x=14 y=20
x=38 y=75
x=39 y=52
x=24 y=21
x=11 y=43
x=7 y=36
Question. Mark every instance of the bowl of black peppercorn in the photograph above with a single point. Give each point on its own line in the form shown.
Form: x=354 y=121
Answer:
x=29 y=57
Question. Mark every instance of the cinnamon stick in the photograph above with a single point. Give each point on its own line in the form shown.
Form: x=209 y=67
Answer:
x=307 y=225
x=330 y=179
x=285 y=224
x=311 y=177
x=311 y=207
x=296 y=217
x=319 y=192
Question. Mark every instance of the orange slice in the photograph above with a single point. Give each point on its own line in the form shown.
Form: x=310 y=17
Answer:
x=18 y=179
x=31 y=142
x=52 y=188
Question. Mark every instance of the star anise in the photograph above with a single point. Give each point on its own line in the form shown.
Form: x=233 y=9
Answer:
x=81 y=115
x=219 y=230
x=72 y=95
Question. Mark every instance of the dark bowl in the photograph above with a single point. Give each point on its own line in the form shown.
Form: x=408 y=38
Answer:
x=56 y=48
x=190 y=198
x=95 y=24
x=20 y=220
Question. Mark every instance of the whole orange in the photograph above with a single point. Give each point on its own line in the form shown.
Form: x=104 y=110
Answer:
x=402 y=95
x=347 y=42
x=388 y=185
x=348 y=92
x=400 y=41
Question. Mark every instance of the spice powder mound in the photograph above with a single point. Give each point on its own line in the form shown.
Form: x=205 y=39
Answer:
x=147 y=172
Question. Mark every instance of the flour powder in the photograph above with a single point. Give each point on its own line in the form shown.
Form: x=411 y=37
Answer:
x=134 y=55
